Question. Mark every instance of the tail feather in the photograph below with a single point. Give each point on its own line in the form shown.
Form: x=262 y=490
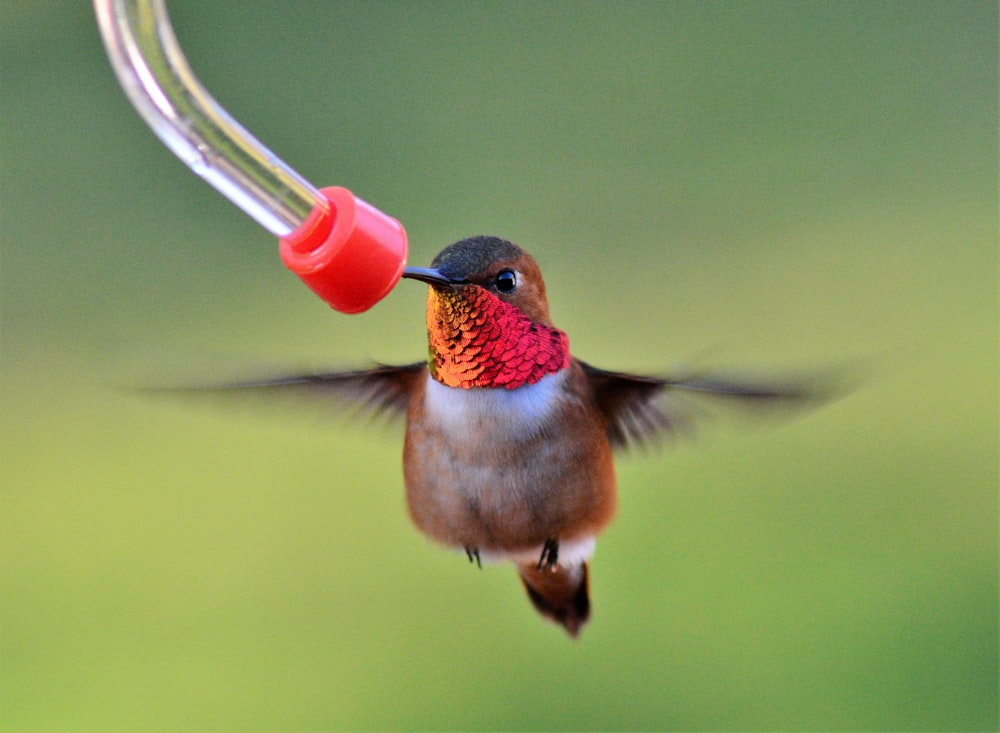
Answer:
x=559 y=593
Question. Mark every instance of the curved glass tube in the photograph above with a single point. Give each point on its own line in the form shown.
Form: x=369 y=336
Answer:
x=157 y=79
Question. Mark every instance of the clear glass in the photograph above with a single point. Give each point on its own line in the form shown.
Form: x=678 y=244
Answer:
x=157 y=79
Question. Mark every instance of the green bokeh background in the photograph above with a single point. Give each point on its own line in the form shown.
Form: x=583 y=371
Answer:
x=769 y=184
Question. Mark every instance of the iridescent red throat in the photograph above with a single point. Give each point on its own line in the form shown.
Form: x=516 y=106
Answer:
x=477 y=340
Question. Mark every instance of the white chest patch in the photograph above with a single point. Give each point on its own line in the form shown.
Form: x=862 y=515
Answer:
x=499 y=412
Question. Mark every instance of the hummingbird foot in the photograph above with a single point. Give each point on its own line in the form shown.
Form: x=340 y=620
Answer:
x=473 y=554
x=550 y=555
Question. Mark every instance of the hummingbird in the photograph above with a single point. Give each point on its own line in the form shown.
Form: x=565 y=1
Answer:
x=509 y=442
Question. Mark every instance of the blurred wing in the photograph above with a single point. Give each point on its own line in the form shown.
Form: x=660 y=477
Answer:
x=383 y=390
x=641 y=409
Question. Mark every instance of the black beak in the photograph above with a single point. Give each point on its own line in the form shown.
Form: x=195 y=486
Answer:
x=429 y=276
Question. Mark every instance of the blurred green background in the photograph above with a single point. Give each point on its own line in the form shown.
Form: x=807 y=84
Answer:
x=767 y=184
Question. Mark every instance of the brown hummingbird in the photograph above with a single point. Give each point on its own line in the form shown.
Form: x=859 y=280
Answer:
x=509 y=438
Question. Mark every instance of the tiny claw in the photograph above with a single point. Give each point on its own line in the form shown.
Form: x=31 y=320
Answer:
x=473 y=554
x=550 y=555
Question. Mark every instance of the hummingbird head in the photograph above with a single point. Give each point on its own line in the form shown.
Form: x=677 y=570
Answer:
x=488 y=322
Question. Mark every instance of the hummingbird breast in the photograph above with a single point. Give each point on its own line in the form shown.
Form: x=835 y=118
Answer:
x=503 y=470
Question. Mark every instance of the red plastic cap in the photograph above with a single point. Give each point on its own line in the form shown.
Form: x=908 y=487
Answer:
x=350 y=254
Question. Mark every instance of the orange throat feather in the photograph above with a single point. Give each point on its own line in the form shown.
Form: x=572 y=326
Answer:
x=477 y=340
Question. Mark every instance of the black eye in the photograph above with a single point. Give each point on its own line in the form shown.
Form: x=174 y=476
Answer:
x=506 y=281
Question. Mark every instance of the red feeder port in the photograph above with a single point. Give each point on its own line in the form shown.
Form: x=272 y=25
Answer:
x=350 y=254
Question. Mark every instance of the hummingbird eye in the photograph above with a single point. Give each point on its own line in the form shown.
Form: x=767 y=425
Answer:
x=505 y=281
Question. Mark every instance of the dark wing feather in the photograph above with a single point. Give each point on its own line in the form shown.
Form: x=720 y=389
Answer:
x=382 y=390
x=639 y=409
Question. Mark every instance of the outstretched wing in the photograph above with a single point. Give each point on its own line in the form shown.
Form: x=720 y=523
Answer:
x=639 y=409
x=382 y=390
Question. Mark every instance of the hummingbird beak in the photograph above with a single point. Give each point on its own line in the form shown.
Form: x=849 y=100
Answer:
x=430 y=276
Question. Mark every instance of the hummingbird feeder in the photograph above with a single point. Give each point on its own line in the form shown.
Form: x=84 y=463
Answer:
x=346 y=250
